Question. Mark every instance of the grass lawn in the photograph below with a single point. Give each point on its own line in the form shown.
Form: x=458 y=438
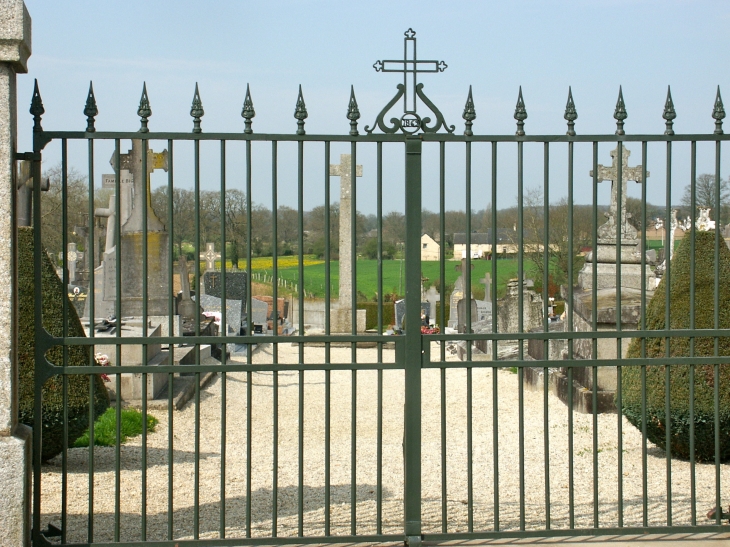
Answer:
x=394 y=275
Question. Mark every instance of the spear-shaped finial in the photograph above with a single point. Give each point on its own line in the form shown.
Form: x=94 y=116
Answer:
x=520 y=115
x=469 y=114
x=353 y=112
x=300 y=113
x=570 y=113
x=669 y=114
x=718 y=113
x=36 y=108
x=620 y=113
x=144 y=111
x=248 y=112
x=196 y=110
x=90 y=111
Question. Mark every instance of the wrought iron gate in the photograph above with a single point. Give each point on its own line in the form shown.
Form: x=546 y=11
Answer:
x=480 y=376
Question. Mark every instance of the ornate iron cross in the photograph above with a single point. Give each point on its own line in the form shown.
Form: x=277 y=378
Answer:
x=410 y=121
x=409 y=66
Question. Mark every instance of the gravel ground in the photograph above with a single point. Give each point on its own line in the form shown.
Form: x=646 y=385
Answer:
x=313 y=522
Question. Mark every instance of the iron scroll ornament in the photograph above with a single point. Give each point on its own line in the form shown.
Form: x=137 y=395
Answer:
x=410 y=122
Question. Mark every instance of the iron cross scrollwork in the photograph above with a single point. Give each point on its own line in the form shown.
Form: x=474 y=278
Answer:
x=410 y=67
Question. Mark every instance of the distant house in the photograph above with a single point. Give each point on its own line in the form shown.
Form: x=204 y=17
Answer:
x=430 y=250
x=481 y=244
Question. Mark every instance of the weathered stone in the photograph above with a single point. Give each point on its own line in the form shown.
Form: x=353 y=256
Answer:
x=213 y=304
x=341 y=318
x=15 y=458
x=259 y=312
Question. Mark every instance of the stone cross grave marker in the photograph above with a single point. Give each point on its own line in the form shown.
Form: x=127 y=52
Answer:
x=111 y=223
x=487 y=282
x=141 y=162
x=210 y=256
x=72 y=257
x=126 y=187
x=132 y=162
x=432 y=296
x=186 y=307
x=608 y=230
x=344 y=171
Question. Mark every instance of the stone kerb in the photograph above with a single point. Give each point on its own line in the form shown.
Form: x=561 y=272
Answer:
x=15 y=445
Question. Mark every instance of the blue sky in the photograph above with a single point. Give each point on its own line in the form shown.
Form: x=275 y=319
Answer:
x=593 y=46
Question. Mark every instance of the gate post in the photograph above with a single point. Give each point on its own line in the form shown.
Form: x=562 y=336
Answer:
x=15 y=445
x=412 y=433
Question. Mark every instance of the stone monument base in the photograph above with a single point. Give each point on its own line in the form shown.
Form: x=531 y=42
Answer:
x=606 y=320
x=341 y=321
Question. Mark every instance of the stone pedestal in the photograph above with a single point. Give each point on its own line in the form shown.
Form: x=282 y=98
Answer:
x=132 y=355
x=341 y=321
x=606 y=320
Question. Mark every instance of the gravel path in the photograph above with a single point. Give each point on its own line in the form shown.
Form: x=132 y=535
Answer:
x=366 y=469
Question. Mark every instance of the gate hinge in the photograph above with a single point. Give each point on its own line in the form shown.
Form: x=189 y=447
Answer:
x=28 y=156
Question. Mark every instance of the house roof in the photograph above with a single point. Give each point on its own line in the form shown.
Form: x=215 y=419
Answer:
x=482 y=238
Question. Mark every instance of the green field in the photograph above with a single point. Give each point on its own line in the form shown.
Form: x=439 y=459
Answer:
x=394 y=276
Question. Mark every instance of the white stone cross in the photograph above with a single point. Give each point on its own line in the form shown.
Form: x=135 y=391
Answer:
x=611 y=174
x=344 y=171
x=487 y=282
x=432 y=296
x=210 y=256
x=72 y=256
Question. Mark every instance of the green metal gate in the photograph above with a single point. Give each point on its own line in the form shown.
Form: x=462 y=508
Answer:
x=75 y=517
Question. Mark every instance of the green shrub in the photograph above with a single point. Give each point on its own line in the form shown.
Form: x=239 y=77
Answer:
x=105 y=428
x=704 y=414
x=371 y=314
x=53 y=293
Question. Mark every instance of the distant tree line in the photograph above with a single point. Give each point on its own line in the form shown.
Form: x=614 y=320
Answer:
x=234 y=210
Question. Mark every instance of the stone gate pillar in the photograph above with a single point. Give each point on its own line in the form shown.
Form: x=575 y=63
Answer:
x=15 y=446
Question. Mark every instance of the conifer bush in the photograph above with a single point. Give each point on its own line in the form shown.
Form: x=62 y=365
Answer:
x=679 y=375
x=77 y=385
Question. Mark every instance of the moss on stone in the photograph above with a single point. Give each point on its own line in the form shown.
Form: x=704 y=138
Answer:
x=78 y=386
x=679 y=375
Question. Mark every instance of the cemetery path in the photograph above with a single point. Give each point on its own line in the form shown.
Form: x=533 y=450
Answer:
x=209 y=475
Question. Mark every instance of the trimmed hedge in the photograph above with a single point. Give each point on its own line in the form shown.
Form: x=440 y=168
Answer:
x=371 y=314
x=704 y=414
x=78 y=386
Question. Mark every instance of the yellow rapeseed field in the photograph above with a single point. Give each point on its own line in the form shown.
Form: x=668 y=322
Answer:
x=266 y=263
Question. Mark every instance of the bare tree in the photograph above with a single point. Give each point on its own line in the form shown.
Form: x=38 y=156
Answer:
x=555 y=243
x=77 y=208
x=705 y=195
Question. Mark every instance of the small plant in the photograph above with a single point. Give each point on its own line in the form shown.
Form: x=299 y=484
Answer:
x=105 y=428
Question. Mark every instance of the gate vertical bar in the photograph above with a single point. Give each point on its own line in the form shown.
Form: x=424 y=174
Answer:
x=412 y=417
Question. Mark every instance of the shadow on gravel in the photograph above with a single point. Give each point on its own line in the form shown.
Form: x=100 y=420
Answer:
x=209 y=516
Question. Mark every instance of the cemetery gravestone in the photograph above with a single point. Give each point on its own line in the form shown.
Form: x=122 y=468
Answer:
x=400 y=313
x=259 y=313
x=133 y=232
x=236 y=285
x=608 y=283
x=432 y=296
